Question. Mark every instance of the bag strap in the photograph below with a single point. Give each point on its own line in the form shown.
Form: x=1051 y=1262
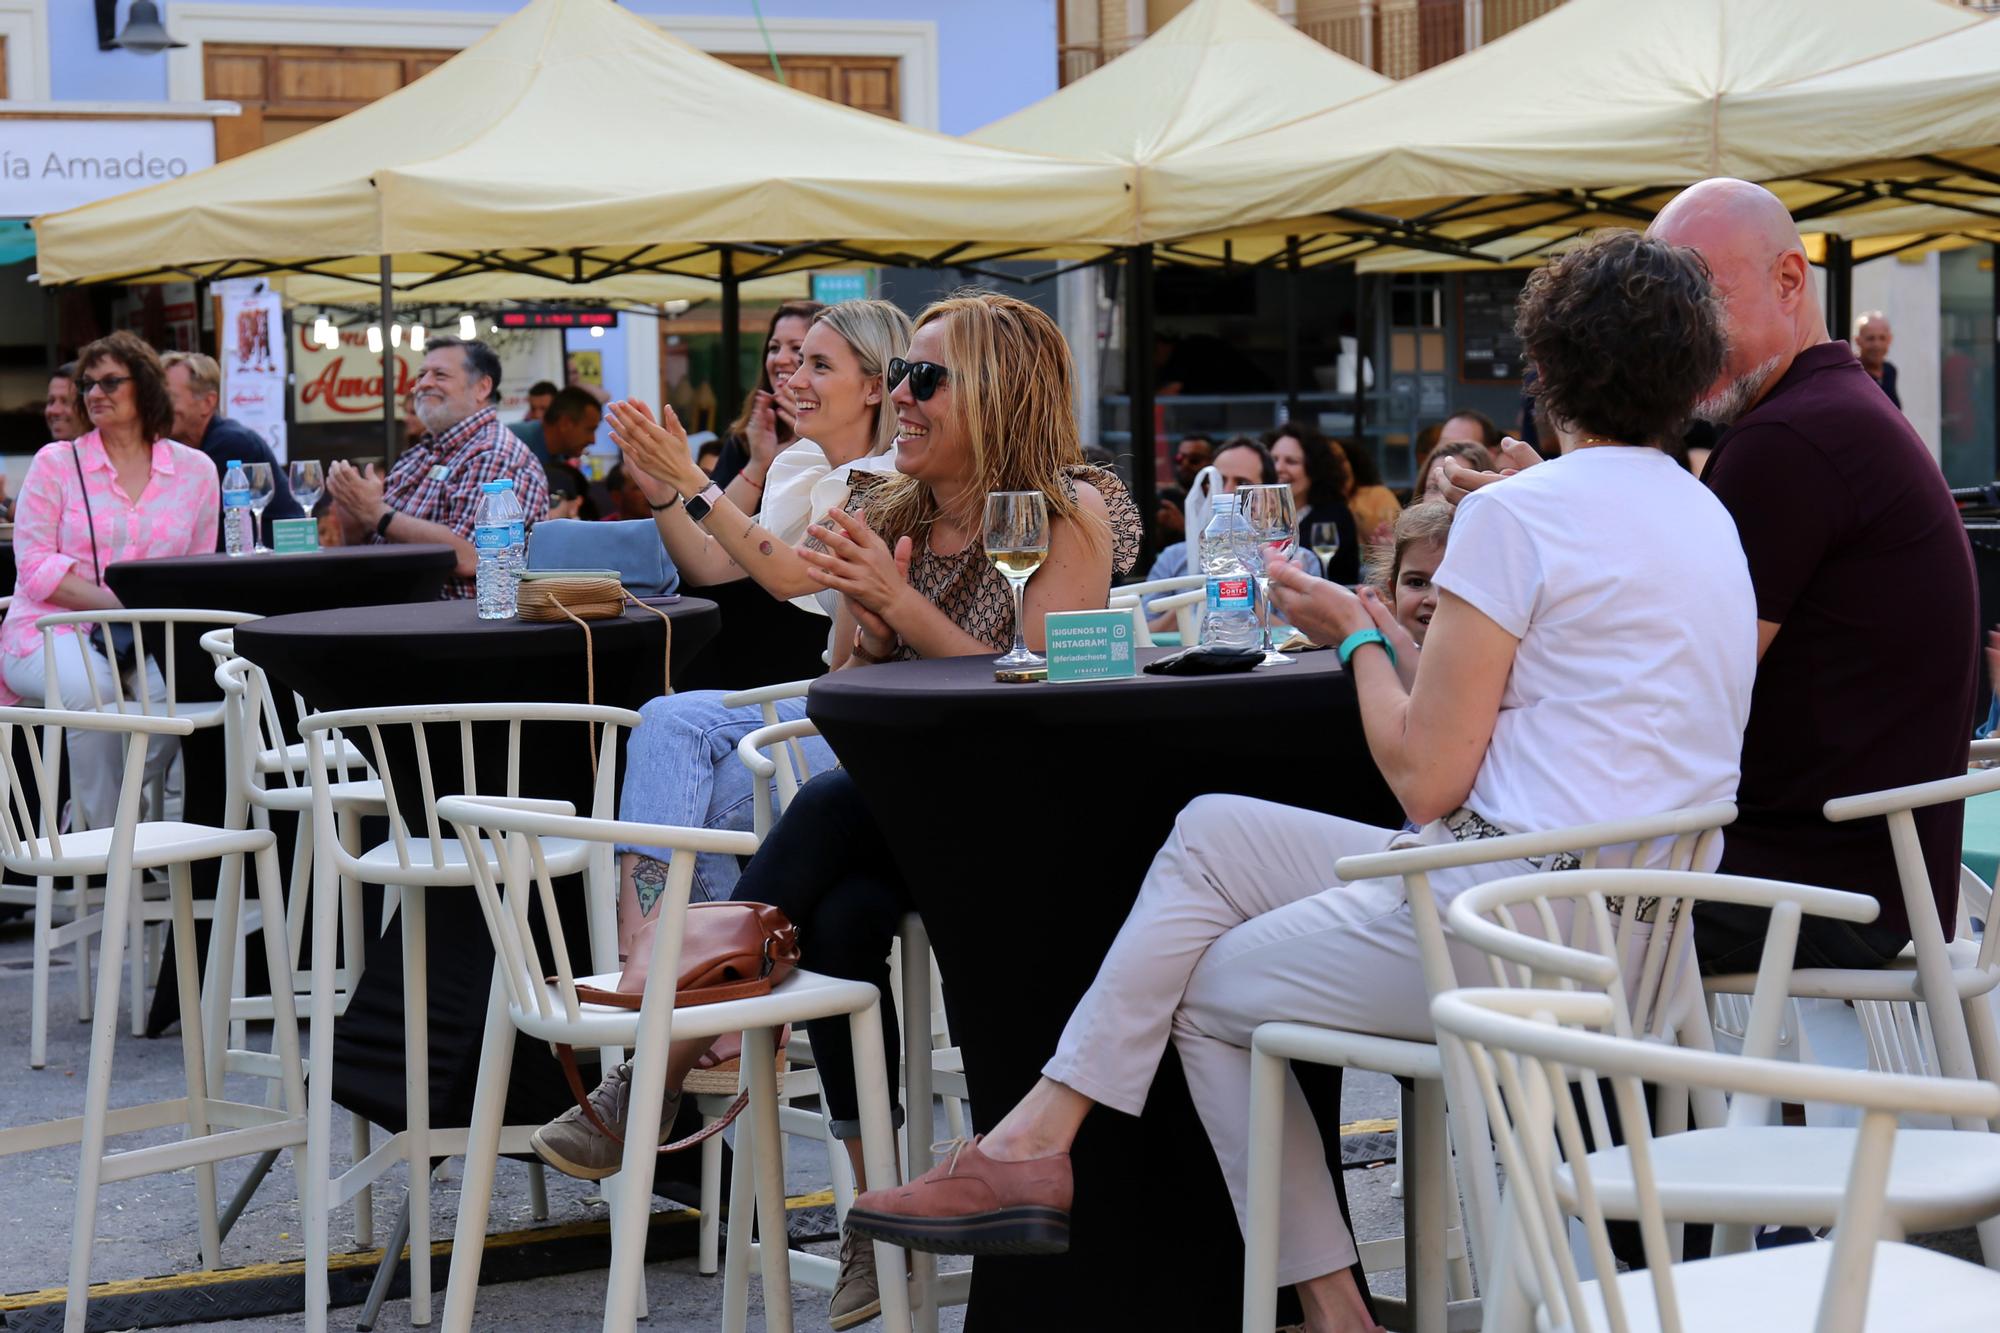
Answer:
x=590 y=659
x=567 y=1055
x=89 y=520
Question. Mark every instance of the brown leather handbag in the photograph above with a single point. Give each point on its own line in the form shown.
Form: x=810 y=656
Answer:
x=729 y=951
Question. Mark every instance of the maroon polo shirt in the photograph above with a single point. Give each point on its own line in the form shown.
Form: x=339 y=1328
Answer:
x=1858 y=553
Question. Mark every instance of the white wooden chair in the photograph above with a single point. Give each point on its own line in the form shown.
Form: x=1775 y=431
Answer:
x=1744 y=1170
x=415 y=861
x=154 y=640
x=1522 y=1049
x=121 y=853
x=524 y=1001
x=1431 y=1250
x=1952 y=983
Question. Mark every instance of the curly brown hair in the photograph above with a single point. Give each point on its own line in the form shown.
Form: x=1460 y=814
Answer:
x=1625 y=333
x=149 y=379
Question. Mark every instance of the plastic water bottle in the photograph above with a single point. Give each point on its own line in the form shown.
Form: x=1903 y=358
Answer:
x=517 y=532
x=492 y=529
x=1231 y=619
x=239 y=521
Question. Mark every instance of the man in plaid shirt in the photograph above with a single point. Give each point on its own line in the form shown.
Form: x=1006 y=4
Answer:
x=432 y=493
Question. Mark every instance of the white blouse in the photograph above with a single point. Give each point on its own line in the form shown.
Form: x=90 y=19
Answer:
x=802 y=486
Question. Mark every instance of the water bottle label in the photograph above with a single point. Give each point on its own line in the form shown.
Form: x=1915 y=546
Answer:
x=1231 y=593
x=236 y=499
x=490 y=537
x=517 y=533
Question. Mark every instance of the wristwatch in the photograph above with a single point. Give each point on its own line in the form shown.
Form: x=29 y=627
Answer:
x=382 y=524
x=698 y=506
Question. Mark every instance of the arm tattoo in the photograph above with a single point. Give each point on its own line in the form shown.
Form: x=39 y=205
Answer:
x=747 y=531
x=764 y=547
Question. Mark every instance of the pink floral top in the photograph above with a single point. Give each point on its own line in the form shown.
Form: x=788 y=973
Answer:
x=177 y=514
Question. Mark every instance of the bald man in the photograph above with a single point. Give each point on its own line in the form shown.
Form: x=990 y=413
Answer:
x=1872 y=337
x=1867 y=605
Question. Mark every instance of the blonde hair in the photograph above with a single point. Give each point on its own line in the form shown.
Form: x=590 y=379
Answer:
x=1013 y=392
x=204 y=376
x=876 y=331
x=1415 y=526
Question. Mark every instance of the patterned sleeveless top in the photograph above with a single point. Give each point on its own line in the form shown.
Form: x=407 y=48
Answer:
x=971 y=590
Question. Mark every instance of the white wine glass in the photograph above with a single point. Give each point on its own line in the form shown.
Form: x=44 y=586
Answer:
x=1017 y=541
x=308 y=481
x=263 y=485
x=1271 y=513
x=1324 y=539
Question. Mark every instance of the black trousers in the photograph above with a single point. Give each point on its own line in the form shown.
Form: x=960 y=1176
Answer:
x=827 y=866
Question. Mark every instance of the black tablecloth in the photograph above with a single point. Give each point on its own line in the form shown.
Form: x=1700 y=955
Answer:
x=440 y=654
x=7 y=567
x=1024 y=817
x=767 y=642
x=263 y=585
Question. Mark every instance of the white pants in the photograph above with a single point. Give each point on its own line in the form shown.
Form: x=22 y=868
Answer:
x=96 y=758
x=1236 y=926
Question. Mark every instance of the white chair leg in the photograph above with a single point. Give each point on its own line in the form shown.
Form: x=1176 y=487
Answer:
x=482 y=1157
x=878 y=1154
x=1260 y=1231
x=760 y=1053
x=38 y=1039
x=317 y=1184
x=632 y=1205
x=221 y=979
x=284 y=996
x=136 y=959
x=417 y=1096
x=194 y=1065
x=364 y=1201
x=709 y=1246
x=80 y=893
x=917 y=1125
x=97 y=1097
x=1981 y=1031
x=736 y=1260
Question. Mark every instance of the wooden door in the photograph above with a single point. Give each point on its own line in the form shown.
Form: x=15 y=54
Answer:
x=286 y=89
x=866 y=83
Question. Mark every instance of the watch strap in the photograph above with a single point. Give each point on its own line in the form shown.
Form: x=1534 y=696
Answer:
x=1360 y=639
x=382 y=524
x=699 y=505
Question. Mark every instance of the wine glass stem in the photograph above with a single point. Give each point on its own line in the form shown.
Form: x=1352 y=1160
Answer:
x=1264 y=610
x=1020 y=637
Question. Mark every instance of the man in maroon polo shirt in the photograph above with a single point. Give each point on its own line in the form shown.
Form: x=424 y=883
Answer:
x=1867 y=604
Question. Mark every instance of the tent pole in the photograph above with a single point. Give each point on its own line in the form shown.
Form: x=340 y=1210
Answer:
x=1364 y=351
x=1291 y=328
x=392 y=419
x=729 y=348
x=52 y=328
x=1139 y=384
x=1840 y=286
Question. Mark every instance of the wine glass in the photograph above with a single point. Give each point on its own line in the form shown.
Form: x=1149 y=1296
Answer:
x=308 y=482
x=1271 y=512
x=263 y=485
x=1324 y=538
x=1017 y=541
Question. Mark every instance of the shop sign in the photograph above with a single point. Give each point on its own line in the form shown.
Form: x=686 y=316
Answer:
x=50 y=165
x=344 y=383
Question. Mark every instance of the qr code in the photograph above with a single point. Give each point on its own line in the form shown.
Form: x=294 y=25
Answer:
x=1121 y=650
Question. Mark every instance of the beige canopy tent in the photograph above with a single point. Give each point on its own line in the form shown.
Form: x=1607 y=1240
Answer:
x=648 y=290
x=1596 y=112
x=738 y=178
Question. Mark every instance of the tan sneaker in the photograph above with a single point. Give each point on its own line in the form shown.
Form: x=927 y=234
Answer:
x=856 y=1297
x=575 y=1147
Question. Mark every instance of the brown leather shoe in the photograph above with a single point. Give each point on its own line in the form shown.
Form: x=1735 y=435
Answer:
x=971 y=1204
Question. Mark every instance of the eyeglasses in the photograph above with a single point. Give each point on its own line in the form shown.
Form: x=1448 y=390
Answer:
x=110 y=384
x=924 y=376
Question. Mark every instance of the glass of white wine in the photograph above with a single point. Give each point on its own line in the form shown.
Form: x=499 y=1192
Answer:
x=1324 y=538
x=1273 y=516
x=308 y=481
x=263 y=485
x=1017 y=541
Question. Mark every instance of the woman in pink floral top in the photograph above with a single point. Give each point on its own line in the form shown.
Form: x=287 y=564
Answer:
x=121 y=492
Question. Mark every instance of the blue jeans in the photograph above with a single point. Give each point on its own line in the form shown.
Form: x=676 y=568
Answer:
x=681 y=768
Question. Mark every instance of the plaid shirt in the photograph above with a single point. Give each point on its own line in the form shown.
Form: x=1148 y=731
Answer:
x=438 y=479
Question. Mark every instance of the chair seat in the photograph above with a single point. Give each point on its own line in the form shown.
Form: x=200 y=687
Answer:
x=1894 y=981
x=293 y=758
x=380 y=864
x=157 y=842
x=1797 y=1176
x=799 y=998
x=1777 y=1291
x=346 y=795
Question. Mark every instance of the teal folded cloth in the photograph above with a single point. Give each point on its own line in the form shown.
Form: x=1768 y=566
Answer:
x=631 y=546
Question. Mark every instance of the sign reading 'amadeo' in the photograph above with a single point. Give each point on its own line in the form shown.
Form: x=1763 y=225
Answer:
x=49 y=165
x=345 y=383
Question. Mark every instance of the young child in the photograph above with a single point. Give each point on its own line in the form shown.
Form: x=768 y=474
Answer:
x=1403 y=580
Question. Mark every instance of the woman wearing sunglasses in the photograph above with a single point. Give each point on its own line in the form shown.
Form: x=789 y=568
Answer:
x=983 y=402
x=121 y=491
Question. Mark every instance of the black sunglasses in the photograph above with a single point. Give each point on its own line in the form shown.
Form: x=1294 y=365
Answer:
x=924 y=376
x=110 y=384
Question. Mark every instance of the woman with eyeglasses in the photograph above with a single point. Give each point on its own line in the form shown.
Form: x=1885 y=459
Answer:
x=983 y=402
x=120 y=491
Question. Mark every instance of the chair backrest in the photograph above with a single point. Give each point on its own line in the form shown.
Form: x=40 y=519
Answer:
x=153 y=635
x=1514 y=922
x=485 y=735
x=522 y=881
x=1199 y=505
x=254 y=735
x=785 y=769
x=1135 y=610
x=30 y=824
x=767 y=697
x=1187 y=608
x=1524 y=1048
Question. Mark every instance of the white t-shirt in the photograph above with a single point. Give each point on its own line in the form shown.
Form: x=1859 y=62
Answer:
x=1623 y=578
x=800 y=487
